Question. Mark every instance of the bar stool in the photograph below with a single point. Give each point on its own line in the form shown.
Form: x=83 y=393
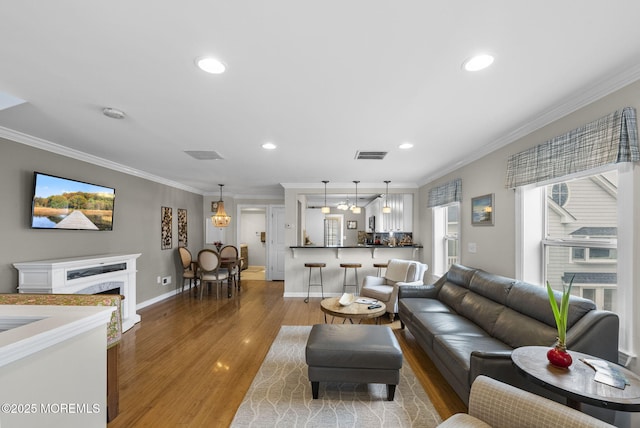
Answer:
x=320 y=284
x=346 y=267
x=380 y=266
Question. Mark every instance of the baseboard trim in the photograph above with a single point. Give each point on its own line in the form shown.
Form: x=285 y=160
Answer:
x=156 y=299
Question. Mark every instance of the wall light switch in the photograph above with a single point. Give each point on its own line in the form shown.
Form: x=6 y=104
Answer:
x=472 y=247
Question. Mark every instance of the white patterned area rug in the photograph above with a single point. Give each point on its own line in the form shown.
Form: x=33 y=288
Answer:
x=280 y=395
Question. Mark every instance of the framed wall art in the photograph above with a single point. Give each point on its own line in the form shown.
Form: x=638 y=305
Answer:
x=165 y=228
x=352 y=224
x=482 y=210
x=182 y=228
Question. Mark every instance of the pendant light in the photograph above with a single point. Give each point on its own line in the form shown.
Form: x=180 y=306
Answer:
x=325 y=209
x=220 y=218
x=386 y=209
x=356 y=209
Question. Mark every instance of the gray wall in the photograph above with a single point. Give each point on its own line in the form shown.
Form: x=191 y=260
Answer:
x=136 y=219
x=496 y=245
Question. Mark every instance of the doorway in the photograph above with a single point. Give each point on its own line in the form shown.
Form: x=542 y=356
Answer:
x=261 y=228
x=252 y=229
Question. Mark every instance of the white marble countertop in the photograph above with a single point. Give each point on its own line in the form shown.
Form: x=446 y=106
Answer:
x=27 y=329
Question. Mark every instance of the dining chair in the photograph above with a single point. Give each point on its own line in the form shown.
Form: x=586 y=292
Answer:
x=189 y=267
x=210 y=272
x=233 y=270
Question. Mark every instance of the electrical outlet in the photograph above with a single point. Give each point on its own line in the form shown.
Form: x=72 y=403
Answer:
x=166 y=280
x=159 y=280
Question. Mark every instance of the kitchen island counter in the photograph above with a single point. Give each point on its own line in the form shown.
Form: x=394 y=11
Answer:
x=333 y=274
x=372 y=248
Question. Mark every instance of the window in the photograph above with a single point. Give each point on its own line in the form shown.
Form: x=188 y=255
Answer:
x=560 y=193
x=593 y=255
x=446 y=232
x=580 y=241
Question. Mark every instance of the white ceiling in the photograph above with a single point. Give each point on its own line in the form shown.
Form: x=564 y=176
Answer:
x=321 y=80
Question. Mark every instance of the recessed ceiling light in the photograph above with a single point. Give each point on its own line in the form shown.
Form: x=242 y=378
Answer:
x=210 y=65
x=478 y=62
x=269 y=146
x=405 y=146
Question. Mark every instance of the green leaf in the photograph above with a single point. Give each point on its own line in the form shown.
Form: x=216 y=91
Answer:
x=561 y=314
x=554 y=304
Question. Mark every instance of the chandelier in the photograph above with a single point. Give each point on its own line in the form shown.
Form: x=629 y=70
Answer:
x=220 y=218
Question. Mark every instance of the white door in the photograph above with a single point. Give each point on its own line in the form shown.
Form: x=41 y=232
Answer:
x=275 y=237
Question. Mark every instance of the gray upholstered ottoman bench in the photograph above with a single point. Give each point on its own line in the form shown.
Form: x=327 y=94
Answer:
x=353 y=354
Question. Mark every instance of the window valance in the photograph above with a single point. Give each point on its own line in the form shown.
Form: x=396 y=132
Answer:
x=445 y=193
x=608 y=140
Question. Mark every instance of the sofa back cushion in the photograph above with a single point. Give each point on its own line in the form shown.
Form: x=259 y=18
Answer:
x=492 y=286
x=460 y=275
x=517 y=329
x=451 y=294
x=533 y=301
x=454 y=285
x=482 y=311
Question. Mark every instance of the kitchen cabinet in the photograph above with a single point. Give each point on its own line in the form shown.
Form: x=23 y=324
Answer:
x=400 y=219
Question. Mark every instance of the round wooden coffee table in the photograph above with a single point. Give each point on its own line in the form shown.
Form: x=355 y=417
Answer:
x=577 y=382
x=358 y=311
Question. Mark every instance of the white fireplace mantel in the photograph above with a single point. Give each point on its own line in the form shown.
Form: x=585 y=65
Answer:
x=84 y=275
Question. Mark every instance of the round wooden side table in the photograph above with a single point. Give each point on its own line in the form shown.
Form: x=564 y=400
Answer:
x=577 y=382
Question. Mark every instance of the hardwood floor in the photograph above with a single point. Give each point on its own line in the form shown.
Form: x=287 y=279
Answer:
x=190 y=361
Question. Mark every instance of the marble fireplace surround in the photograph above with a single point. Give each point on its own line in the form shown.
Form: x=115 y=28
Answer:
x=84 y=275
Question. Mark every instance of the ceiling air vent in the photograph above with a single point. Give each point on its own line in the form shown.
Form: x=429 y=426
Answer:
x=370 y=155
x=204 y=154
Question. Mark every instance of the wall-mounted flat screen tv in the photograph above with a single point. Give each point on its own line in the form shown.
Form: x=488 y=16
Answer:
x=62 y=203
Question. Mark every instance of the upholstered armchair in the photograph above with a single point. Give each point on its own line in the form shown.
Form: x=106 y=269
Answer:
x=385 y=289
x=496 y=404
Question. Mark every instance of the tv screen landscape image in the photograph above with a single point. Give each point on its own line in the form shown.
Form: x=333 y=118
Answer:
x=62 y=203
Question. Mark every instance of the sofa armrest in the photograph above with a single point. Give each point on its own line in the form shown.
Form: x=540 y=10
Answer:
x=499 y=365
x=495 y=364
x=596 y=333
x=418 y=291
x=499 y=404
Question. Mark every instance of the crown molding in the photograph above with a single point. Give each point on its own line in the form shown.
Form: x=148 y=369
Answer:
x=582 y=98
x=349 y=185
x=40 y=143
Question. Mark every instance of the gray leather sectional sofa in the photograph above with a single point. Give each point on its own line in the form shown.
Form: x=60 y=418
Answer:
x=469 y=321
